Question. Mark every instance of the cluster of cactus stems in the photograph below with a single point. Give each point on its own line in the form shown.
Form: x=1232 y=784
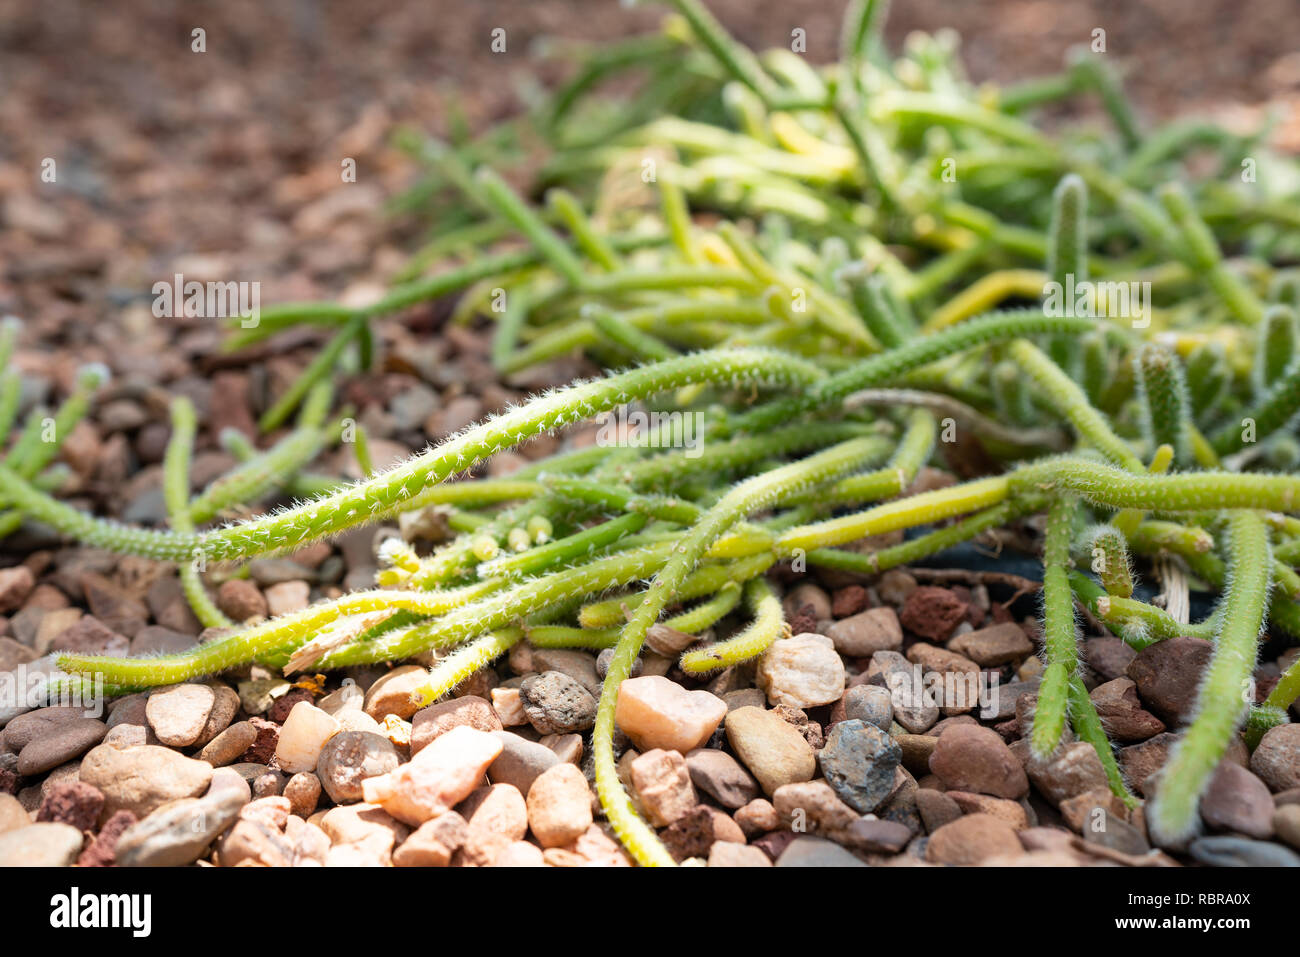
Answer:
x=872 y=274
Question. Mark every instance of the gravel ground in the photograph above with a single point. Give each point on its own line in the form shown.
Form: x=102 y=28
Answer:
x=226 y=165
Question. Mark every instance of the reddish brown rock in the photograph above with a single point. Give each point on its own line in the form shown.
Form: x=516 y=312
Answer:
x=1277 y=757
x=1108 y=656
x=1140 y=762
x=102 y=851
x=849 y=600
x=971 y=840
x=1238 y=801
x=71 y=802
x=1167 y=675
x=1122 y=714
x=968 y=757
x=996 y=645
x=437 y=719
x=932 y=612
x=692 y=834
x=264 y=745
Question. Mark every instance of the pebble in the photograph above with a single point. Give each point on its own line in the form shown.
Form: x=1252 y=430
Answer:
x=803 y=671
x=721 y=777
x=1108 y=656
x=567 y=747
x=251 y=842
x=25 y=728
x=1167 y=674
x=157 y=640
x=101 y=852
x=520 y=853
x=227 y=746
x=773 y=751
x=606 y=655
x=972 y=839
x=877 y=836
x=559 y=805
x=994 y=646
x=809 y=851
x=1237 y=800
x=598 y=846
x=70 y=802
x=1286 y=823
x=917 y=749
x=578 y=665
x=47 y=844
x=495 y=816
x=694 y=833
x=436 y=779
x=12 y=813
x=1119 y=835
x=1141 y=762
x=179 y=713
x=228 y=779
x=968 y=757
x=1225 y=851
x=433 y=843
x=117 y=610
x=284 y=598
x=142 y=779
x=895 y=585
x=1277 y=757
x=812 y=806
x=1122 y=714
x=1074 y=769
x=61 y=744
x=1004 y=810
x=663 y=785
x=521 y=761
x=913 y=708
x=391 y=694
x=556 y=703
x=303 y=791
x=224 y=709
x=349 y=758
x=936 y=808
x=730 y=854
x=437 y=719
x=302 y=737
x=13 y=654
x=363 y=824
x=849 y=600
x=240 y=600
x=1091 y=809
x=656 y=712
x=509 y=707
x=664 y=640
x=807 y=594
x=85 y=635
x=757 y=817
x=859 y=761
x=869 y=703
x=932 y=612
x=863 y=634
x=15 y=585
x=271 y=811
x=179 y=833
